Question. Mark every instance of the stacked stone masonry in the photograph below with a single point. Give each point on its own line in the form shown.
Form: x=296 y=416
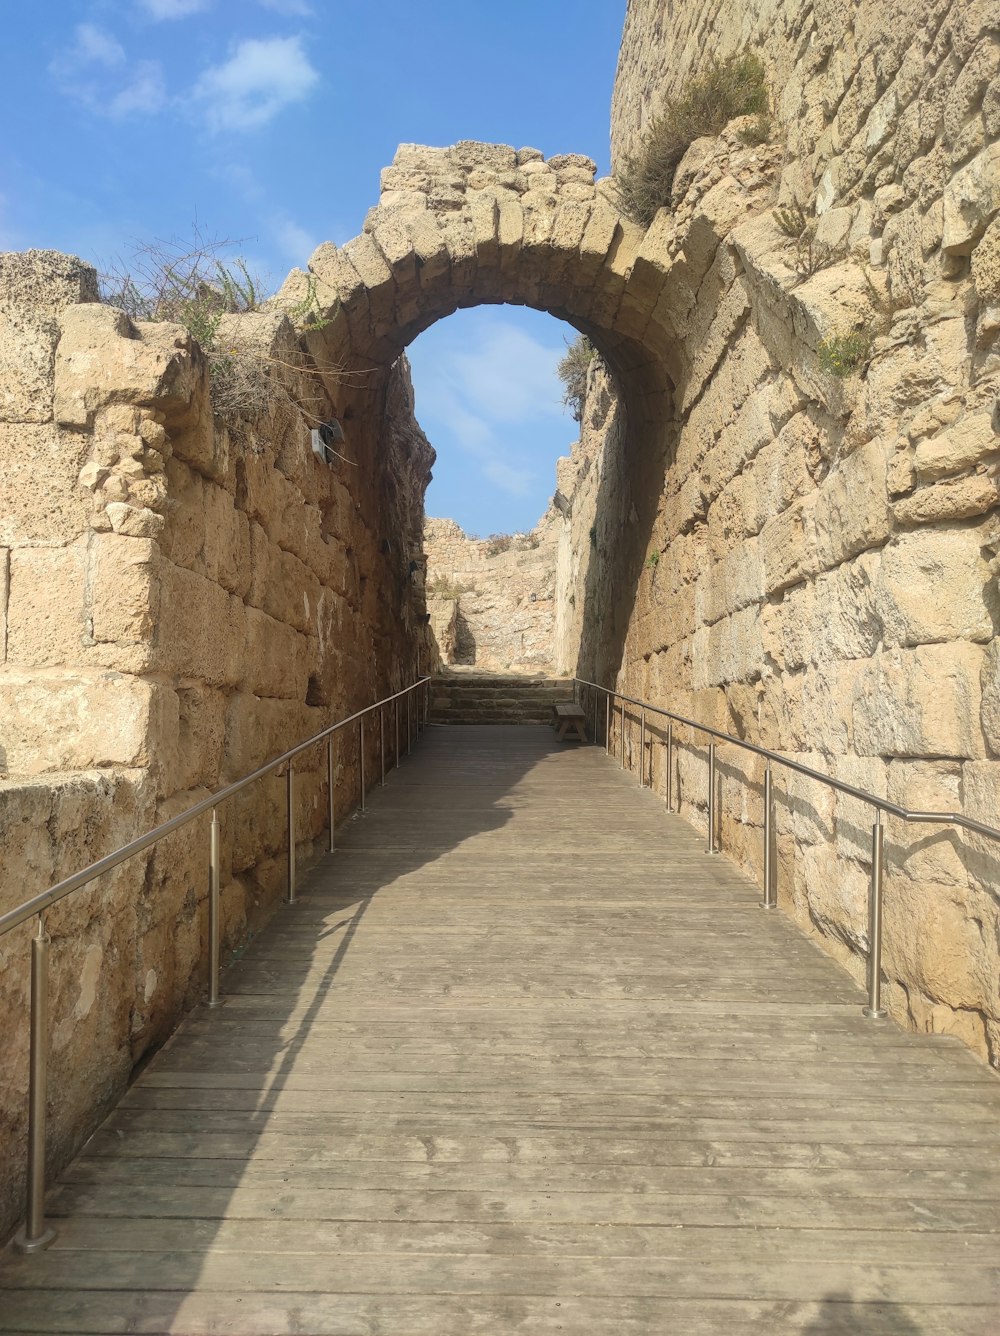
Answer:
x=492 y=601
x=181 y=599
x=808 y=561
x=819 y=572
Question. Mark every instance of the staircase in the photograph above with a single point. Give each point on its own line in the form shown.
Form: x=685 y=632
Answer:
x=496 y=698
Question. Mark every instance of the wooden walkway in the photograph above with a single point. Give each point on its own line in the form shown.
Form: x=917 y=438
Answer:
x=525 y=1059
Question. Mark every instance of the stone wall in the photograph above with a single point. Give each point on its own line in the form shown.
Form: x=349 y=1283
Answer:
x=503 y=617
x=818 y=568
x=181 y=598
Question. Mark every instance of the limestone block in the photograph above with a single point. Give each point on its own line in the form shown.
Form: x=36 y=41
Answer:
x=933 y=940
x=277 y=658
x=986 y=265
x=27 y=357
x=485 y=213
x=510 y=233
x=281 y=585
x=373 y=269
x=124 y=591
x=405 y=178
x=561 y=162
x=44 y=281
x=46 y=615
x=931 y=587
x=396 y=244
x=134 y=521
x=259 y=729
x=600 y=233
x=971 y=199
x=788 y=546
x=183 y=536
x=921 y=702
x=77 y=721
x=469 y=154
x=39 y=468
x=845 y=623
x=970 y=441
x=991 y=701
x=103 y=358
x=951 y=499
x=430 y=246
x=422 y=157
x=529 y=155
x=852 y=505
x=200 y=630
x=226 y=549
x=929 y=853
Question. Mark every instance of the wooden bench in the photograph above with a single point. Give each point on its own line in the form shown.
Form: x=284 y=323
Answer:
x=568 y=717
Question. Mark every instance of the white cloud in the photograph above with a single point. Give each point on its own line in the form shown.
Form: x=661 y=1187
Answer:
x=91 y=69
x=145 y=95
x=296 y=242
x=261 y=78
x=510 y=374
x=160 y=10
x=91 y=46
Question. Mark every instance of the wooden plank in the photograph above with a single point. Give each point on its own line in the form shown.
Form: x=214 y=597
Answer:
x=474 y=1083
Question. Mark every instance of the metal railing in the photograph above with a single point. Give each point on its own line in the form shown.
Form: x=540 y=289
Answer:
x=37 y=1234
x=882 y=806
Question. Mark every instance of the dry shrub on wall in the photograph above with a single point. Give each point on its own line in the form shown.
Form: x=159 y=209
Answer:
x=728 y=88
x=573 y=369
x=197 y=284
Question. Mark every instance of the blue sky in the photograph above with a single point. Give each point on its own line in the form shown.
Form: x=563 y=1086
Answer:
x=268 y=121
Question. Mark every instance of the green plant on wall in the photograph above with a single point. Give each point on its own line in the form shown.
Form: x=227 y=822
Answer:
x=841 y=355
x=652 y=561
x=727 y=88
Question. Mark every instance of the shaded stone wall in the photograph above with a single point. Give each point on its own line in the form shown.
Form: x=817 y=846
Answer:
x=820 y=570
x=504 y=600
x=182 y=598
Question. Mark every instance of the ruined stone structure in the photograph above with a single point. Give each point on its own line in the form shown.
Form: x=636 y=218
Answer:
x=816 y=567
x=493 y=606
x=181 y=599
x=806 y=560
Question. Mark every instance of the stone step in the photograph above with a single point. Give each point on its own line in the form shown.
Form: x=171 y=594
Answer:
x=497 y=698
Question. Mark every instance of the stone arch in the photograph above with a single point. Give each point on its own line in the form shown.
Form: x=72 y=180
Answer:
x=484 y=223
x=481 y=223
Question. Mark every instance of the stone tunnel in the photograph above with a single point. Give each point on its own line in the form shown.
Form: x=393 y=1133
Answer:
x=803 y=559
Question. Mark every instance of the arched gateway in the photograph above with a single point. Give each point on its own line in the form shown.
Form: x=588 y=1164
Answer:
x=485 y=223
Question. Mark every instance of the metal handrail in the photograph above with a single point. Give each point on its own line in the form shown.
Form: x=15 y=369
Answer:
x=882 y=806
x=36 y=1234
x=893 y=809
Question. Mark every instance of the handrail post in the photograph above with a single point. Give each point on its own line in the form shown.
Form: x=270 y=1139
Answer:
x=290 y=805
x=361 y=758
x=607 y=722
x=670 y=765
x=381 y=744
x=36 y=1234
x=874 y=1010
x=712 y=847
x=329 y=790
x=395 y=716
x=214 y=925
x=597 y=713
x=409 y=728
x=623 y=733
x=770 y=900
x=642 y=748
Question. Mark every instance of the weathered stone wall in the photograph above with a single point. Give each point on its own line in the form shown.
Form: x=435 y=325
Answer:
x=181 y=599
x=820 y=570
x=504 y=600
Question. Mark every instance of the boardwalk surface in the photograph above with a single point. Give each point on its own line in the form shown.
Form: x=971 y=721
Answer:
x=525 y=1059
